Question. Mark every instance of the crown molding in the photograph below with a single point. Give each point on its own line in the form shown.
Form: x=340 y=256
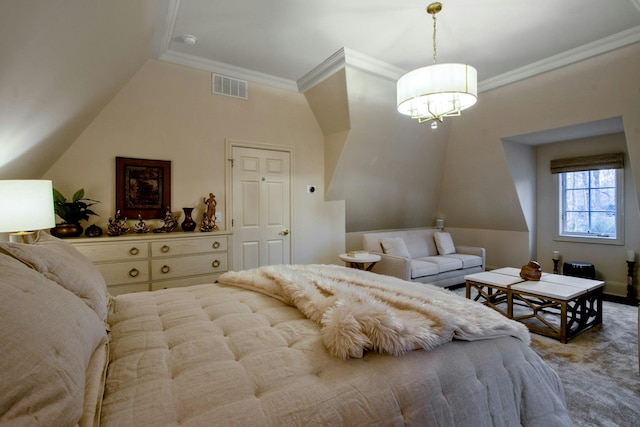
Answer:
x=347 y=57
x=227 y=70
x=165 y=22
x=340 y=60
x=607 y=44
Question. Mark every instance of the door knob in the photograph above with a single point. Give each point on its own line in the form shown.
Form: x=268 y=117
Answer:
x=285 y=232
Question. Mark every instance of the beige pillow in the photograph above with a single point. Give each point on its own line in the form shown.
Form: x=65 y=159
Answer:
x=395 y=246
x=444 y=243
x=48 y=336
x=61 y=262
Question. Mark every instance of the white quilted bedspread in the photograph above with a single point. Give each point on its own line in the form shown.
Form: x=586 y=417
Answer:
x=215 y=355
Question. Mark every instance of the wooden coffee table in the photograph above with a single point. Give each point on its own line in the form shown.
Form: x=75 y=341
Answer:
x=556 y=306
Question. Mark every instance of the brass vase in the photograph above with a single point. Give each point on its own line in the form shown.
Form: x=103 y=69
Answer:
x=67 y=230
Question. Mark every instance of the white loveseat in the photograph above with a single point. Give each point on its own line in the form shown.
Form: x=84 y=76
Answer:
x=423 y=255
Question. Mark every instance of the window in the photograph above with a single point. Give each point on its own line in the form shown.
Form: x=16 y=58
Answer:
x=590 y=197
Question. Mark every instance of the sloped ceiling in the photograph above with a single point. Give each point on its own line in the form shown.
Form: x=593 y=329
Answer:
x=61 y=62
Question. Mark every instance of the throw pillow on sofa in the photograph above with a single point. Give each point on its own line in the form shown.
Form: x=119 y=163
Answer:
x=395 y=246
x=444 y=243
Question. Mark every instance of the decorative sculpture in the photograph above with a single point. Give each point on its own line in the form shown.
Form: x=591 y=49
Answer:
x=141 y=226
x=532 y=271
x=209 y=217
x=117 y=226
x=169 y=223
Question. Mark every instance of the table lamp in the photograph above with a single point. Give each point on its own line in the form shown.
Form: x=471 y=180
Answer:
x=25 y=207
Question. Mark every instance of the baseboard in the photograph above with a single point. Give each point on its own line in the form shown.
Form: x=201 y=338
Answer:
x=620 y=299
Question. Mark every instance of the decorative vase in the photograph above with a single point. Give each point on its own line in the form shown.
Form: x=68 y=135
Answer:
x=67 y=230
x=93 y=231
x=188 y=224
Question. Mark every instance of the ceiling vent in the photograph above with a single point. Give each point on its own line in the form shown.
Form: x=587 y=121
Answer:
x=228 y=86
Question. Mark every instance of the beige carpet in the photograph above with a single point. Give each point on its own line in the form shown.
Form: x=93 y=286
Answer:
x=599 y=369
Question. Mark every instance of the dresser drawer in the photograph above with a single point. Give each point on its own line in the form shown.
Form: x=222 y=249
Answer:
x=114 y=251
x=134 y=263
x=186 y=247
x=188 y=266
x=125 y=272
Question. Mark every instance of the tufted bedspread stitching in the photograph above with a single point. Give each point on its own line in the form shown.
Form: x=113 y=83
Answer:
x=218 y=355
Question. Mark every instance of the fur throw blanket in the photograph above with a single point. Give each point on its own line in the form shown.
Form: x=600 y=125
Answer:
x=359 y=311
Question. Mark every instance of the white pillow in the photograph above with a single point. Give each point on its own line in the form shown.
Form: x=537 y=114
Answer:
x=395 y=246
x=59 y=261
x=444 y=243
x=48 y=336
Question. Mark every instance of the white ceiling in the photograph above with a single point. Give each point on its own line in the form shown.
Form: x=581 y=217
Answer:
x=280 y=42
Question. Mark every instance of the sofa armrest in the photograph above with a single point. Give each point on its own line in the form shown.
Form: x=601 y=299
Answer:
x=395 y=266
x=473 y=250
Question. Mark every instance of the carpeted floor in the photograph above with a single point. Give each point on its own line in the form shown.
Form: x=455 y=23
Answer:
x=598 y=368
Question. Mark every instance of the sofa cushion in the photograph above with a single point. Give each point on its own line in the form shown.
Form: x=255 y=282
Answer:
x=421 y=268
x=420 y=243
x=444 y=243
x=395 y=246
x=444 y=263
x=468 y=261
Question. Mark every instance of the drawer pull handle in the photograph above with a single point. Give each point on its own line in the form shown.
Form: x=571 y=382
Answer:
x=134 y=272
x=134 y=251
x=215 y=263
x=165 y=269
x=216 y=245
x=165 y=248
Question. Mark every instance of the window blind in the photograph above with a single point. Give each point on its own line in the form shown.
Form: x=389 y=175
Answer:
x=588 y=163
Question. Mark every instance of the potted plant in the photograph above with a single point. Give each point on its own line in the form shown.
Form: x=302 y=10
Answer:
x=72 y=212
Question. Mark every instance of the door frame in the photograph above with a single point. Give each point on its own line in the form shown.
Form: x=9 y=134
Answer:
x=230 y=144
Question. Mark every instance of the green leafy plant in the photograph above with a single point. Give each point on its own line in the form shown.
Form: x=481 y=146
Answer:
x=75 y=210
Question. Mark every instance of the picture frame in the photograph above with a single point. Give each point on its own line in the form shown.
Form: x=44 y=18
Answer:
x=143 y=187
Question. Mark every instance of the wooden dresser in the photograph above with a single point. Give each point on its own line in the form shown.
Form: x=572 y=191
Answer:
x=143 y=262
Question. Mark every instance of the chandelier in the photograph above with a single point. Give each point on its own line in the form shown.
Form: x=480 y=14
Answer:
x=438 y=90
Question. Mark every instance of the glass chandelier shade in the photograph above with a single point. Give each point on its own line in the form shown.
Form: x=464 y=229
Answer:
x=438 y=90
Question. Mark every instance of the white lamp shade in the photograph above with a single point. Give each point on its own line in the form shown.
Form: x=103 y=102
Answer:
x=26 y=205
x=440 y=90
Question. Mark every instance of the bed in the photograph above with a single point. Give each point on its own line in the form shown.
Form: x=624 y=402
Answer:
x=280 y=345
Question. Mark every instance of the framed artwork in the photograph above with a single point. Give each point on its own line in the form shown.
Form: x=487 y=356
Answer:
x=143 y=187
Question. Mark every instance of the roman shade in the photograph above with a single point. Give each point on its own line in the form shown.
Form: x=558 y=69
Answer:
x=587 y=163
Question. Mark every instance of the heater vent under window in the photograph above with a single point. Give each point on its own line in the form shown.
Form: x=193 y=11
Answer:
x=223 y=85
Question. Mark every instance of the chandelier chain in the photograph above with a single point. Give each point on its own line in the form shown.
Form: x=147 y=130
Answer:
x=435 y=49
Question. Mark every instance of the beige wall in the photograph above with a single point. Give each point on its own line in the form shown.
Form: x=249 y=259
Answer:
x=62 y=61
x=609 y=260
x=479 y=191
x=386 y=166
x=167 y=112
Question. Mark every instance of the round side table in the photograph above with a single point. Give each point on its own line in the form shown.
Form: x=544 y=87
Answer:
x=360 y=262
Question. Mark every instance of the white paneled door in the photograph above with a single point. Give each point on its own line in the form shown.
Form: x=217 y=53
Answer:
x=261 y=207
